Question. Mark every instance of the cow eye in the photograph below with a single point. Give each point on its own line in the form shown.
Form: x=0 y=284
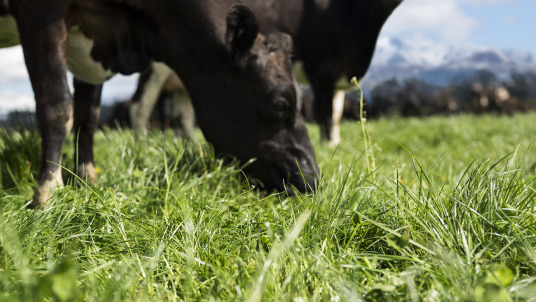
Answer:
x=280 y=105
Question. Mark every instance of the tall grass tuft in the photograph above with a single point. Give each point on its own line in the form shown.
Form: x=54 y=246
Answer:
x=369 y=152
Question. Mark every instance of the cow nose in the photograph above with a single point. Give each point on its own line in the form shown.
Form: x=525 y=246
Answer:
x=304 y=175
x=301 y=182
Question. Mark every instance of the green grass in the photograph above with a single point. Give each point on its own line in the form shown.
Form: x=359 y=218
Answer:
x=448 y=215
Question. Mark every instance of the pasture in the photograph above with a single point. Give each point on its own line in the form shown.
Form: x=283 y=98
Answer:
x=446 y=212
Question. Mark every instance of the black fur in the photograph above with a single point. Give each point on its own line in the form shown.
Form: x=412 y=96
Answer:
x=4 y=8
x=242 y=30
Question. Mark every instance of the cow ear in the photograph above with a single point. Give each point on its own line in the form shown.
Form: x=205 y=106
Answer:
x=242 y=30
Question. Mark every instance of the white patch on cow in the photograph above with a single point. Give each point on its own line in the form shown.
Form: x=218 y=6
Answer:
x=484 y=101
x=452 y=104
x=79 y=60
x=502 y=94
x=9 y=35
x=338 y=107
x=140 y=112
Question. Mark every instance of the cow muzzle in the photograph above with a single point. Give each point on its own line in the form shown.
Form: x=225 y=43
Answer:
x=289 y=170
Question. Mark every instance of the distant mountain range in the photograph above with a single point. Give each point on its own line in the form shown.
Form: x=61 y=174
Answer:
x=441 y=65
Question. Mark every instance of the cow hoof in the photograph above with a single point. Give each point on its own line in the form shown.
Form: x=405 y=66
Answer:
x=88 y=173
x=334 y=143
x=45 y=188
x=41 y=196
x=39 y=200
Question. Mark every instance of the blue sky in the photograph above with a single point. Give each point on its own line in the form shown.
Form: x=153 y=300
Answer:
x=501 y=24
x=507 y=25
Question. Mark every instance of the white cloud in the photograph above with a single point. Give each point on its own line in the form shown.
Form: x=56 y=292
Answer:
x=15 y=89
x=15 y=101
x=442 y=20
x=12 y=67
x=510 y=19
x=416 y=52
x=16 y=92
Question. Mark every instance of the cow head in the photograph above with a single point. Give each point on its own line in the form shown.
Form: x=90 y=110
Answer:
x=253 y=109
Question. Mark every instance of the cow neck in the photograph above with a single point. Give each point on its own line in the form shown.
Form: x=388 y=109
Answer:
x=197 y=51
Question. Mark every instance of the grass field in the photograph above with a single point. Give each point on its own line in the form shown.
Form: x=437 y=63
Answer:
x=446 y=213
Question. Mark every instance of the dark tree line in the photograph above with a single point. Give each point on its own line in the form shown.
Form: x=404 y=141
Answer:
x=481 y=93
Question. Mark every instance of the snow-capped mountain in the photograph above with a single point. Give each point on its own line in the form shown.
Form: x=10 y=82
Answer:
x=439 y=64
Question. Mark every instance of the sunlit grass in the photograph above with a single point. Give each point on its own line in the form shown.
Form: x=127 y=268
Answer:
x=448 y=214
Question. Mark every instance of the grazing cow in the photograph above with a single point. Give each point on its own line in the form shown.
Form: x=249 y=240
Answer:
x=333 y=38
x=240 y=81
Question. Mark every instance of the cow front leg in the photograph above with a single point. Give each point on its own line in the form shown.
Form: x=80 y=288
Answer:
x=323 y=89
x=42 y=36
x=87 y=98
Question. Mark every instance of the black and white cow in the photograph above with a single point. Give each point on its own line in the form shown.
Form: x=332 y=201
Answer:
x=240 y=81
